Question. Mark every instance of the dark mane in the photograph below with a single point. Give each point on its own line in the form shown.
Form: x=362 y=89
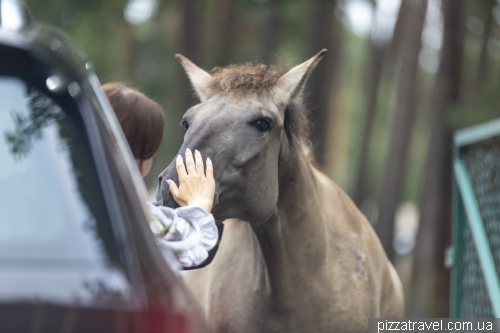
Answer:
x=250 y=78
x=296 y=123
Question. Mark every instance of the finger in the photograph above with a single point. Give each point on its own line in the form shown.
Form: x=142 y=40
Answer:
x=172 y=187
x=190 y=162
x=199 y=163
x=174 y=190
x=210 y=169
x=181 y=170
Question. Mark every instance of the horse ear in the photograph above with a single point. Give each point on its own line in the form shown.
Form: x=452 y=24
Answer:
x=198 y=77
x=290 y=85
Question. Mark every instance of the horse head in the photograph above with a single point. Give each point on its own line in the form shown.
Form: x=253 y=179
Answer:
x=248 y=121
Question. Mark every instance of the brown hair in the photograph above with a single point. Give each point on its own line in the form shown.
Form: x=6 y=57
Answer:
x=140 y=117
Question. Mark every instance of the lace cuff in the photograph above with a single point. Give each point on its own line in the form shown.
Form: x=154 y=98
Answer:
x=190 y=233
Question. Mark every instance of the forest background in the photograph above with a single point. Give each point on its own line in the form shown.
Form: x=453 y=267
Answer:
x=399 y=77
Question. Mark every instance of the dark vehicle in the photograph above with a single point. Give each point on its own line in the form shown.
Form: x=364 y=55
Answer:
x=76 y=250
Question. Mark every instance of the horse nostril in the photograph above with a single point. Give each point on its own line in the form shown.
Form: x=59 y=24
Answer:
x=159 y=180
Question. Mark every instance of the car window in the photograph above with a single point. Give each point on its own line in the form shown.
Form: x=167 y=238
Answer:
x=54 y=227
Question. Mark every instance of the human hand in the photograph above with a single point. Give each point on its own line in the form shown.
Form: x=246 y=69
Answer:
x=195 y=188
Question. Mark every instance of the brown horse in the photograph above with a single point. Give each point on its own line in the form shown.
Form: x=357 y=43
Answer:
x=305 y=259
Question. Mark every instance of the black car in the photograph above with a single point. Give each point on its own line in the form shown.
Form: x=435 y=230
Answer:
x=76 y=250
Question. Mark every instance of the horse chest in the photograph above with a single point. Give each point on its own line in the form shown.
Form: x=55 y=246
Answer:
x=249 y=309
x=266 y=319
x=244 y=296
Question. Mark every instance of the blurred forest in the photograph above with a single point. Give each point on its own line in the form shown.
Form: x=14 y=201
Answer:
x=399 y=77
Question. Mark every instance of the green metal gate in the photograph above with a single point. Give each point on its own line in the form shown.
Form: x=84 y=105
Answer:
x=476 y=222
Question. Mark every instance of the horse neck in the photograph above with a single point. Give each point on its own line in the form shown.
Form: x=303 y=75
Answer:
x=293 y=241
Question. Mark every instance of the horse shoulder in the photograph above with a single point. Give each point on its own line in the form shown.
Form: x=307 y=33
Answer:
x=355 y=233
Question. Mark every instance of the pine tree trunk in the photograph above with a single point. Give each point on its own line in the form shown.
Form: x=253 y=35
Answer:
x=188 y=42
x=269 y=32
x=376 y=61
x=325 y=31
x=223 y=25
x=483 y=63
x=404 y=116
x=430 y=284
x=380 y=55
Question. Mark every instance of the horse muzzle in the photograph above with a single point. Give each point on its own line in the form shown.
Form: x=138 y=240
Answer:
x=163 y=196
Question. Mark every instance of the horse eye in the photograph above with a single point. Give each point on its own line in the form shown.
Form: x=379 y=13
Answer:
x=262 y=125
x=185 y=124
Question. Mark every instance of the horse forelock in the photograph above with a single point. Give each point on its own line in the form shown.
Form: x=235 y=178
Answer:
x=245 y=79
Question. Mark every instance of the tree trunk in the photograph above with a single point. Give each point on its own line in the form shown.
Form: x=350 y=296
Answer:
x=430 y=284
x=223 y=32
x=482 y=66
x=130 y=47
x=269 y=32
x=188 y=45
x=325 y=31
x=404 y=116
x=380 y=54
x=398 y=35
x=376 y=60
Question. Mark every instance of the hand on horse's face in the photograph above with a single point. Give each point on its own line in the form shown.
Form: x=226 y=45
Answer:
x=195 y=188
x=245 y=156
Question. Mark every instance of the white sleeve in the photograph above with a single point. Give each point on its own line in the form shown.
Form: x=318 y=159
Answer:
x=196 y=231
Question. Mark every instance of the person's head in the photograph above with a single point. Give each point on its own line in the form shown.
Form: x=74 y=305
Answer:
x=141 y=119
